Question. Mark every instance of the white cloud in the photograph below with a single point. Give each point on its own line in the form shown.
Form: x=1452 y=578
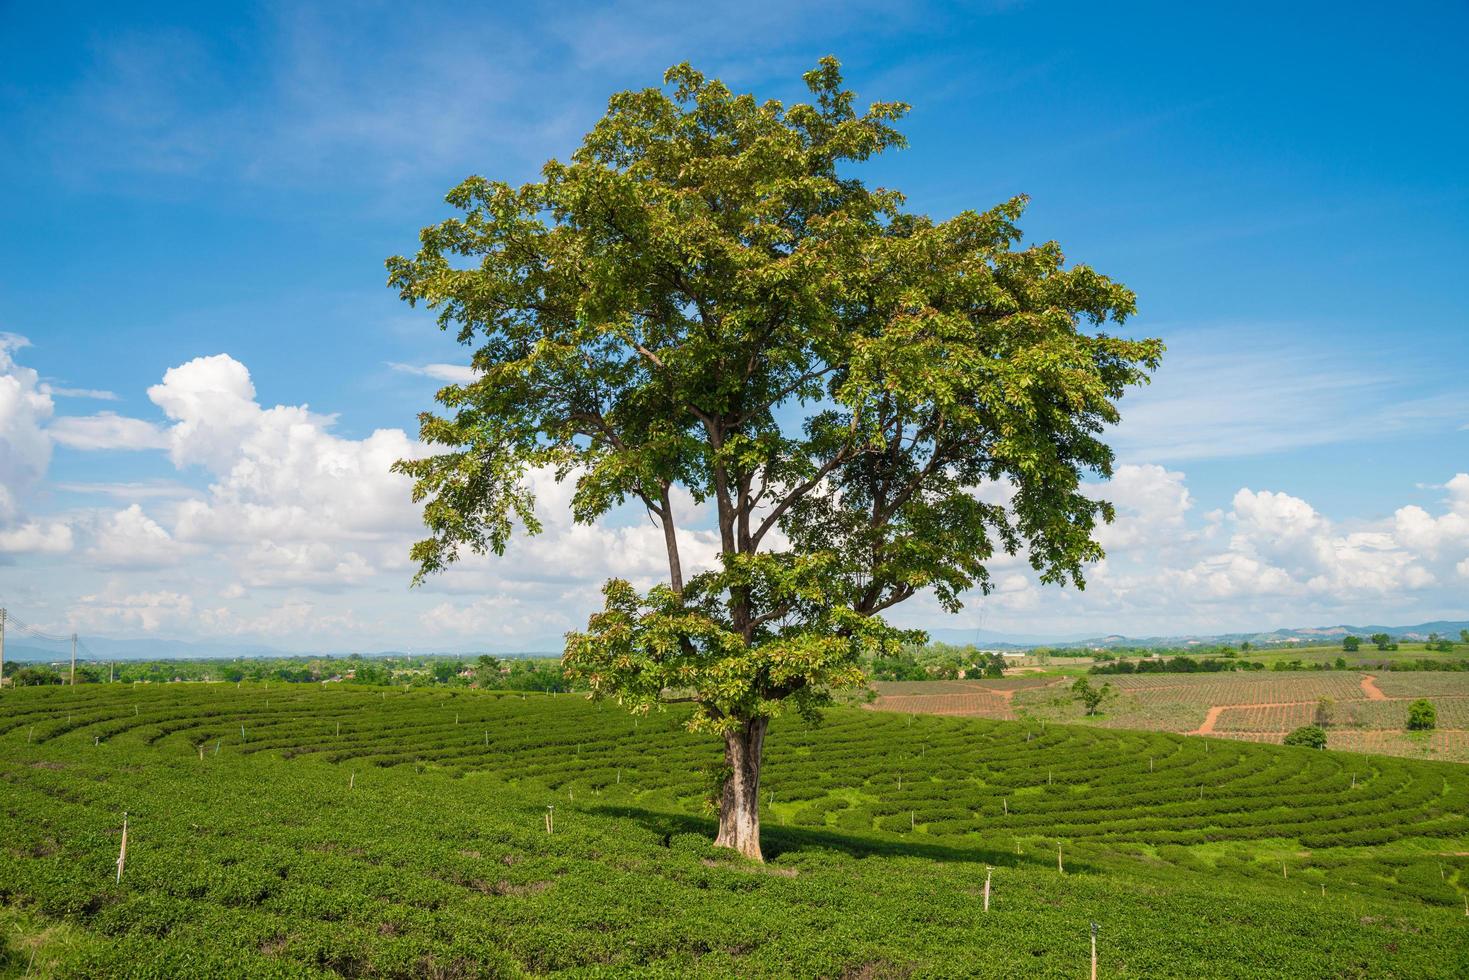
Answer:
x=106 y=430
x=143 y=490
x=131 y=539
x=119 y=610
x=452 y=373
x=493 y=616
x=35 y=537
x=1152 y=504
x=25 y=449
x=1415 y=528
x=25 y=455
x=93 y=393
x=211 y=402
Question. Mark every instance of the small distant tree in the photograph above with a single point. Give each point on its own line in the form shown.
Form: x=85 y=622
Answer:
x=1341 y=663
x=1422 y=716
x=994 y=665
x=1325 y=712
x=1310 y=736
x=1091 y=698
x=705 y=303
x=34 y=677
x=1464 y=636
x=1245 y=647
x=1351 y=644
x=1381 y=640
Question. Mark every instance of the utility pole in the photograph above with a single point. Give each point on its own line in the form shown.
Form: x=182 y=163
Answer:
x=2 y=647
x=73 y=660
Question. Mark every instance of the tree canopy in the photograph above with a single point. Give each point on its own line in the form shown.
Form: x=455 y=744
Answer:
x=706 y=300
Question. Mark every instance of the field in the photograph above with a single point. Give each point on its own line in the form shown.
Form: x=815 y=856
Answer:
x=316 y=831
x=1368 y=711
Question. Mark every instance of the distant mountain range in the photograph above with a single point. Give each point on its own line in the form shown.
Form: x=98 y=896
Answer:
x=164 y=649
x=1315 y=634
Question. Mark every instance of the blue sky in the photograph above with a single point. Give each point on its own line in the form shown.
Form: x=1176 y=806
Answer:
x=1283 y=186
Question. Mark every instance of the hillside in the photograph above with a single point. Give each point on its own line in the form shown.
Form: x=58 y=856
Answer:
x=302 y=831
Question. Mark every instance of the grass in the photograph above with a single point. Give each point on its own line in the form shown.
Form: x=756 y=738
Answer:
x=258 y=860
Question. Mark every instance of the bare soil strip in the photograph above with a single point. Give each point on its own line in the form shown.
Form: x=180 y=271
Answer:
x=1370 y=689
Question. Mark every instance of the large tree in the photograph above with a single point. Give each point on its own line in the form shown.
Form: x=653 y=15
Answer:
x=705 y=300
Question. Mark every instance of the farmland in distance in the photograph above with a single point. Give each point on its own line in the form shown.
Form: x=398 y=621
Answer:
x=1366 y=712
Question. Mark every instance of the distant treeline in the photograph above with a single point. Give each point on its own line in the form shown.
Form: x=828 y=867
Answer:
x=484 y=671
x=1190 y=665
x=937 y=661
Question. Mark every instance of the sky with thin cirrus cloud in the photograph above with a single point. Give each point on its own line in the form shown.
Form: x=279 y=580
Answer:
x=203 y=377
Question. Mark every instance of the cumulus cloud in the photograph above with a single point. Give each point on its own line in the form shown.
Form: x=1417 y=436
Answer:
x=36 y=537
x=131 y=539
x=121 y=610
x=299 y=529
x=25 y=449
x=25 y=455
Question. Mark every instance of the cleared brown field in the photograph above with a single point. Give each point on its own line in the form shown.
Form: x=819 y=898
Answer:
x=1368 y=712
x=971 y=705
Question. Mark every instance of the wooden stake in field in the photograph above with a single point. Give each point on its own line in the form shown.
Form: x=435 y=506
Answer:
x=1006 y=801
x=201 y=751
x=987 y=872
x=1094 y=951
x=352 y=782
x=1059 y=868
x=550 y=819
x=122 y=854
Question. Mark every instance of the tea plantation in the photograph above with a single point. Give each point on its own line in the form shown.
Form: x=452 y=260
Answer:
x=305 y=831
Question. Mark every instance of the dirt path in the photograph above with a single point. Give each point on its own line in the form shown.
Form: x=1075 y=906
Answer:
x=1370 y=689
x=1207 y=728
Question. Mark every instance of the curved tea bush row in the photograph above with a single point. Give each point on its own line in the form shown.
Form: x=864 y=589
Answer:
x=390 y=833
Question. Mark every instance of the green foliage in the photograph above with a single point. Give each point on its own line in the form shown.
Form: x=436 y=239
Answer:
x=704 y=300
x=1351 y=644
x=1422 y=716
x=1325 y=712
x=34 y=677
x=1091 y=698
x=1174 y=665
x=936 y=661
x=1310 y=736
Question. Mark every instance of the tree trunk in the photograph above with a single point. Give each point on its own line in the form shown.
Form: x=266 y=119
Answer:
x=739 y=805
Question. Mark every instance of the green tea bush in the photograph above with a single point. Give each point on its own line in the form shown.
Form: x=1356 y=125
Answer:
x=388 y=833
x=1309 y=736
